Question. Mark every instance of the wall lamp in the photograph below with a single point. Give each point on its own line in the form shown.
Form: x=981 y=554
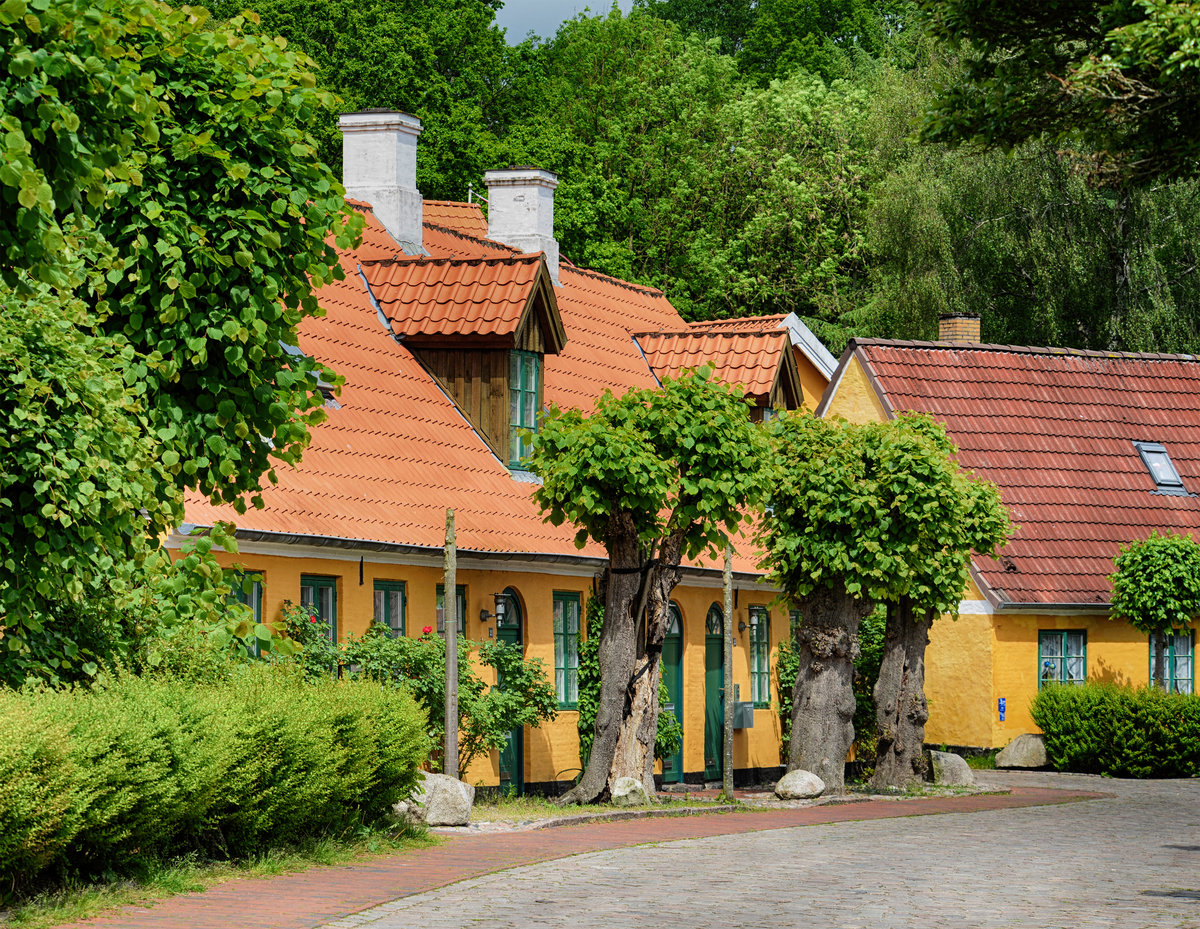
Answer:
x=742 y=627
x=501 y=605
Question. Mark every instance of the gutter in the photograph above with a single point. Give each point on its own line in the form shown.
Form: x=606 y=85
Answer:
x=1012 y=606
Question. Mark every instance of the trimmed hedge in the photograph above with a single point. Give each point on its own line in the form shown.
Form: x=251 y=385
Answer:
x=1106 y=729
x=93 y=780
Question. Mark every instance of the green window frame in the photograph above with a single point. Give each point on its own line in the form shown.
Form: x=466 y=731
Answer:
x=524 y=402
x=1180 y=665
x=248 y=591
x=319 y=594
x=1062 y=657
x=566 y=649
x=391 y=604
x=760 y=656
x=460 y=605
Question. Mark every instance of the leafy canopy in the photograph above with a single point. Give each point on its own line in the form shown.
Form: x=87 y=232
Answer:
x=1119 y=79
x=880 y=508
x=683 y=458
x=1156 y=585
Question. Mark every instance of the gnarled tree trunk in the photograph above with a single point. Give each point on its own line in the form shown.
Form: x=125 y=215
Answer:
x=900 y=708
x=636 y=603
x=823 y=700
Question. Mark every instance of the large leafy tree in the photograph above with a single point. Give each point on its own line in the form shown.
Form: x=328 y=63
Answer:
x=442 y=60
x=860 y=515
x=165 y=216
x=656 y=477
x=1117 y=79
x=1156 y=589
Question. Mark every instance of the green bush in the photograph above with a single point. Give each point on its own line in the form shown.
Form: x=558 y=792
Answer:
x=93 y=780
x=1106 y=729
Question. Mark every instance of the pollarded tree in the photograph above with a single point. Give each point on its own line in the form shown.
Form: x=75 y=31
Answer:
x=655 y=476
x=940 y=517
x=1156 y=588
x=862 y=514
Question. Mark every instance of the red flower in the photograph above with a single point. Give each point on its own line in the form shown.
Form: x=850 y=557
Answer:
x=312 y=619
x=427 y=630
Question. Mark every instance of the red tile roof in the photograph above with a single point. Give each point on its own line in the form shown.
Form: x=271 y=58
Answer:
x=1054 y=429
x=453 y=296
x=750 y=359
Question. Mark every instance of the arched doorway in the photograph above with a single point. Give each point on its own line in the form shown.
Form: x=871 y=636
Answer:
x=509 y=630
x=672 y=671
x=714 y=692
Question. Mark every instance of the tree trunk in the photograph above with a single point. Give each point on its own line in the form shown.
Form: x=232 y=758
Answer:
x=900 y=707
x=1160 y=659
x=636 y=604
x=823 y=701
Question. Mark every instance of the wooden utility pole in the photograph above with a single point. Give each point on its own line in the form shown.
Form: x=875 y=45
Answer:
x=450 y=618
x=727 y=735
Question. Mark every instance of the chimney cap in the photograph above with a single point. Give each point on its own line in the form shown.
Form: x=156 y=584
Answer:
x=522 y=175
x=957 y=316
x=377 y=118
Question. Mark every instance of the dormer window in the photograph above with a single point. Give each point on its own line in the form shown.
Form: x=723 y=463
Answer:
x=524 y=402
x=1162 y=469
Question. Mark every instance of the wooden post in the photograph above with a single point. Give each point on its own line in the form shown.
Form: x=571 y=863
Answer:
x=727 y=736
x=450 y=617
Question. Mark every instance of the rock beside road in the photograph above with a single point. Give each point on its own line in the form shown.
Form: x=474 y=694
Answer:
x=951 y=770
x=440 y=800
x=1025 y=751
x=629 y=791
x=799 y=785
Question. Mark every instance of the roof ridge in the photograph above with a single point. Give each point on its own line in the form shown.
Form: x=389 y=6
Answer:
x=1020 y=349
x=450 y=203
x=628 y=285
x=518 y=258
x=466 y=235
x=701 y=333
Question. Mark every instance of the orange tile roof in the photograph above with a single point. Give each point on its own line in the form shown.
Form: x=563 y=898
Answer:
x=748 y=359
x=465 y=217
x=385 y=465
x=740 y=324
x=453 y=296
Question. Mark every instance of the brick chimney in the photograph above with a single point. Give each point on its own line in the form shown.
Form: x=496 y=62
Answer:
x=521 y=211
x=379 y=165
x=958 y=327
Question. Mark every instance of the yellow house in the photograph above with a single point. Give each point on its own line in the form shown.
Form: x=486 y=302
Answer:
x=1090 y=450
x=452 y=332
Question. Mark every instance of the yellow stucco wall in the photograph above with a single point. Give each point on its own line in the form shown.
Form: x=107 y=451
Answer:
x=551 y=750
x=958 y=681
x=854 y=398
x=812 y=381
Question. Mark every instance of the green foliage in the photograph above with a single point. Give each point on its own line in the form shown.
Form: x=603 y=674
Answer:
x=93 y=780
x=880 y=507
x=669 y=735
x=1120 y=78
x=166 y=224
x=1120 y=732
x=866 y=671
x=1156 y=587
x=486 y=715
x=684 y=458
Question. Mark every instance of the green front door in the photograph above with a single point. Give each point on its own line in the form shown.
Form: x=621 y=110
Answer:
x=512 y=756
x=714 y=692
x=672 y=670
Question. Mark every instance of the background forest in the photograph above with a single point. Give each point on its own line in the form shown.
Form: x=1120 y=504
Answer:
x=761 y=156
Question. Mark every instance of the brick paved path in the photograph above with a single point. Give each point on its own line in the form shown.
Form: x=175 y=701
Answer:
x=1131 y=861
x=329 y=896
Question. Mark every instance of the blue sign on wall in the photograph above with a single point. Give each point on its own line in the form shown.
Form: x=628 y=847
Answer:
x=1001 y=704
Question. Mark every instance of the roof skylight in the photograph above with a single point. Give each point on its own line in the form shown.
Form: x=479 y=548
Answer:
x=1162 y=469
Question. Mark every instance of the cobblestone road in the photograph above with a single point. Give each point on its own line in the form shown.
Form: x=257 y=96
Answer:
x=1131 y=862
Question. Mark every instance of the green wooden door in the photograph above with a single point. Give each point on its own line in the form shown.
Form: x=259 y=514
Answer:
x=672 y=669
x=512 y=756
x=714 y=692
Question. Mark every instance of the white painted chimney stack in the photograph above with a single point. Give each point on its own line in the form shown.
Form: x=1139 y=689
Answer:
x=521 y=211
x=379 y=165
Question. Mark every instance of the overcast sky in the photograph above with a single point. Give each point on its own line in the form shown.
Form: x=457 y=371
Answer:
x=519 y=17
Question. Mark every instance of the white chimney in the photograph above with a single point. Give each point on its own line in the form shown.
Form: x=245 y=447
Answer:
x=521 y=211
x=379 y=165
